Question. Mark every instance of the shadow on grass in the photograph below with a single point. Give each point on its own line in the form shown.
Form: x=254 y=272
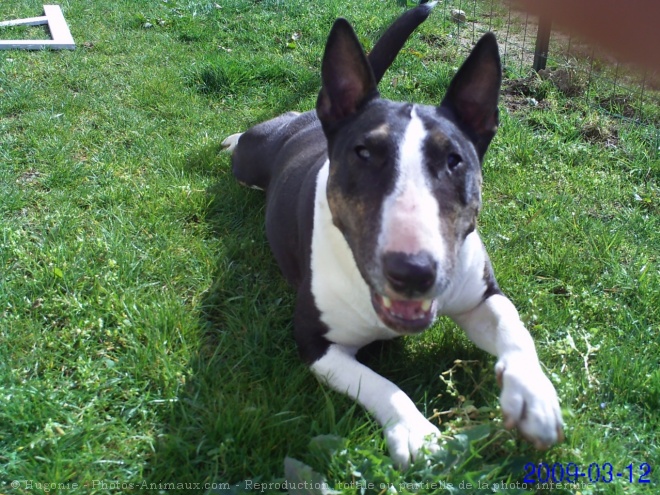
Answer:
x=248 y=401
x=220 y=427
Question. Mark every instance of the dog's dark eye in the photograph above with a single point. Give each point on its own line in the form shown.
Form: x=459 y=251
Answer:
x=453 y=160
x=362 y=152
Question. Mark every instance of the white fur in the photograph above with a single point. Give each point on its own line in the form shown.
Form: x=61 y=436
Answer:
x=528 y=399
x=467 y=284
x=406 y=429
x=341 y=294
x=410 y=212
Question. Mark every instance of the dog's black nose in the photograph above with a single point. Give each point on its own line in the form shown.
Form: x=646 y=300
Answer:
x=410 y=274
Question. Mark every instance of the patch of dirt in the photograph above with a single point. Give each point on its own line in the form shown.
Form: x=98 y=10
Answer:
x=601 y=131
x=567 y=80
x=526 y=92
x=618 y=104
x=434 y=40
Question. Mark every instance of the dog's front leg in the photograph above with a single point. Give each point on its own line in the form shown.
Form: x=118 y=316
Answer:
x=406 y=429
x=528 y=399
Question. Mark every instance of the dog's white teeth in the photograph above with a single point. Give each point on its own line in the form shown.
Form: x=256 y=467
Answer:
x=387 y=302
x=426 y=304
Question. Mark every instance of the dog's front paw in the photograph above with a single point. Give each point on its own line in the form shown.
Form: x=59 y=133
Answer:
x=529 y=401
x=406 y=439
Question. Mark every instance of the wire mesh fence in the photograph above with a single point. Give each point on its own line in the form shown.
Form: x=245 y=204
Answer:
x=532 y=49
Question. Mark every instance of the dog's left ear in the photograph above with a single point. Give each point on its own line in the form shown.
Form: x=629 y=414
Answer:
x=348 y=81
x=471 y=100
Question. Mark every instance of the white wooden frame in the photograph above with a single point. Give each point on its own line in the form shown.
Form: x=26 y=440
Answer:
x=59 y=32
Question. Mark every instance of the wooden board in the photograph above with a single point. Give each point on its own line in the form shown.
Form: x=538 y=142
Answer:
x=60 y=34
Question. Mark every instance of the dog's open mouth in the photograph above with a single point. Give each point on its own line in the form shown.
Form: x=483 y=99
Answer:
x=403 y=315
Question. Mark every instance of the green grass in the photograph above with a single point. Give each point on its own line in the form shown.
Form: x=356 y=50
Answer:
x=146 y=332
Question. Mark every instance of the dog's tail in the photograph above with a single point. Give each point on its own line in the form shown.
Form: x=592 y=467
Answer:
x=390 y=43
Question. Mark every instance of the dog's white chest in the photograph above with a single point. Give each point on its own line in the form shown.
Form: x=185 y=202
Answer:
x=340 y=292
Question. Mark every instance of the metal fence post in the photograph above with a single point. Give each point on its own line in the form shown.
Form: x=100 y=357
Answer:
x=542 y=43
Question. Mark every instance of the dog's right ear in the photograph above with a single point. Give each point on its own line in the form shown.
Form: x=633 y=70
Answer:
x=347 y=79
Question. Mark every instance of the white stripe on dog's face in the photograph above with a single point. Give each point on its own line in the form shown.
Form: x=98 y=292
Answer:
x=410 y=218
x=403 y=190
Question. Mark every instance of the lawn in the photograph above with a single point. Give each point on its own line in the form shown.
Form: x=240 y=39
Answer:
x=145 y=331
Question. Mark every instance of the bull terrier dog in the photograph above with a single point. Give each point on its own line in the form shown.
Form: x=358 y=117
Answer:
x=371 y=215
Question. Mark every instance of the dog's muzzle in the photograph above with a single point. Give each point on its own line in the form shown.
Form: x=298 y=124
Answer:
x=404 y=316
x=408 y=306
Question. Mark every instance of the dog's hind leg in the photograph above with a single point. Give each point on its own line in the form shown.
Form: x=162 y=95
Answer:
x=229 y=145
x=230 y=142
x=254 y=151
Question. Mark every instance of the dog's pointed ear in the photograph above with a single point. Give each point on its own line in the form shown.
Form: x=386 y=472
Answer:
x=471 y=100
x=347 y=79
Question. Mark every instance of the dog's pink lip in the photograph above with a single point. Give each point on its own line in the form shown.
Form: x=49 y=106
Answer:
x=404 y=315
